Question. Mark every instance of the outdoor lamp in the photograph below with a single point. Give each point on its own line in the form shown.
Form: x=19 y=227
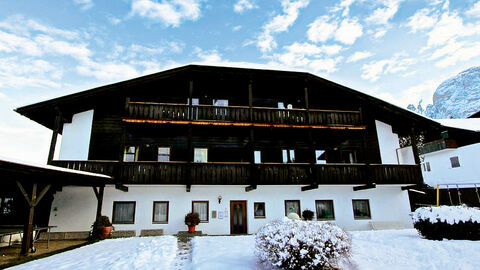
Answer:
x=219 y=199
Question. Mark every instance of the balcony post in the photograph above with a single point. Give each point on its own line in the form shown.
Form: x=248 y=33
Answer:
x=190 y=153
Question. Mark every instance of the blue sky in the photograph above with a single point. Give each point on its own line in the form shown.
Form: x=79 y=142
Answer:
x=397 y=50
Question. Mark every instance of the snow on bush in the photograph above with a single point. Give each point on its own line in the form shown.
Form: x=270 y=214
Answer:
x=296 y=244
x=451 y=222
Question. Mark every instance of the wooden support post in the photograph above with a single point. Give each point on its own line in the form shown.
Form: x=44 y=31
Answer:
x=53 y=142
x=190 y=152
x=414 y=146
x=99 y=195
x=367 y=186
x=32 y=201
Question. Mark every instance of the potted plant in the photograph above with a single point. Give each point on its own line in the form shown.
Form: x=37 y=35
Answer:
x=192 y=220
x=102 y=228
x=307 y=214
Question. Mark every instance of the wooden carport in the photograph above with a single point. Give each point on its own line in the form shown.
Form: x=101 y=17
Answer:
x=30 y=178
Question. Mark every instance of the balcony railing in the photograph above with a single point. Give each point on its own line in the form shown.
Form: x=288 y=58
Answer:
x=438 y=145
x=240 y=173
x=183 y=112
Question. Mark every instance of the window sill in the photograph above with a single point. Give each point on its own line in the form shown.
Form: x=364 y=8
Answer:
x=259 y=217
x=160 y=222
x=362 y=218
x=325 y=219
x=123 y=223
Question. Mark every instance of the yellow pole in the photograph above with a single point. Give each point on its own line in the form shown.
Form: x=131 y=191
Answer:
x=438 y=195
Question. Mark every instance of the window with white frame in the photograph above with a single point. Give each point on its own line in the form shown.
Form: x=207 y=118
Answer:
x=257 y=155
x=288 y=155
x=292 y=206
x=131 y=153
x=200 y=155
x=160 y=212
x=163 y=154
x=201 y=207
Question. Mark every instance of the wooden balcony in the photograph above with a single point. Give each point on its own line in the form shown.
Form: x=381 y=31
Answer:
x=438 y=145
x=178 y=113
x=239 y=173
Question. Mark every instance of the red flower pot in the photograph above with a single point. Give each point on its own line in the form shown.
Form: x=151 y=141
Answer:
x=106 y=231
x=191 y=229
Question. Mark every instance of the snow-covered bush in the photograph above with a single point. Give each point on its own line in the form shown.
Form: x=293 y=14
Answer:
x=296 y=244
x=451 y=222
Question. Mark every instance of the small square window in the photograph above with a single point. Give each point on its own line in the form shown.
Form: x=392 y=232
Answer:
x=324 y=209
x=257 y=155
x=200 y=155
x=361 y=209
x=320 y=156
x=201 y=207
x=164 y=154
x=259 y=210
x=123 y=213
x=455 y=162
x=160 y=212
x=130 y=154
x=427 y=164
x=292 y=206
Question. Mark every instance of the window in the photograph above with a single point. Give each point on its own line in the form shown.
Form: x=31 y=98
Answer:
x=361 y=209
x=455 y=162
x=288 y=156
x=257 y=155
x=6 y=206
x=321 y=156
x=200 y=155
x=324 y=209
x=427 y=164
x=123 y=213
x=349 y=156
x=160 y=212
x=201 y=207
x=259 y=210
x=195 y=101
x=220 y=103
x=292 y=206
x=130 y=154
x=164 y=154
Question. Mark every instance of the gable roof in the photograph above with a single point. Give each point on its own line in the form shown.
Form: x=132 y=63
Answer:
x=43 y=112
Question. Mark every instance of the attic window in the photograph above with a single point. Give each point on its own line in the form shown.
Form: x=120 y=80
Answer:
x=455 y=162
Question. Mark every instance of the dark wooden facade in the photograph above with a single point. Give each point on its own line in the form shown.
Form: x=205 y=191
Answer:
x=156 y=111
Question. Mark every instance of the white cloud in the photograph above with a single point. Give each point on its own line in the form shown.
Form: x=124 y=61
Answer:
x=169 y=12
x=113 y=20
x=280 y=23
x=236 y=28
x=464 y=53
x=423 y=91
x=349 y=31
x=16 y=72
x=107 y=71
x=84 y=4
x=384 y=14
x=450 y=48
x=50 y=45
x=398 y=63
x=14 y=43
x=345 y=6
x=24 y=27
x=422 y=20
x=357 y=56
x=474 y=11
x=379 y=33
x=242 y=5
x=450 y=26
x=321 y=29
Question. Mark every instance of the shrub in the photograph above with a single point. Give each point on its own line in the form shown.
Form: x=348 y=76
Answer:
x=450 y=222
x=307 y=214
x=192 y=219
x=296 y=244
x=97 y=227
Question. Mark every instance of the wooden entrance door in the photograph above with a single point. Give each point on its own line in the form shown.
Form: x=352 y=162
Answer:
x=238 y=217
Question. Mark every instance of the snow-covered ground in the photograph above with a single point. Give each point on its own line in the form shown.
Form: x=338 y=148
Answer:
x=390 y=249
x=127 y=253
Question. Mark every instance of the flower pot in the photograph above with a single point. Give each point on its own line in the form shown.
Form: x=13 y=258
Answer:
x=106 y=231
x=191 y=229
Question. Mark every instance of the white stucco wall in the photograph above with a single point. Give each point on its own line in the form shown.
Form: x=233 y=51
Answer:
x=405 y=155
x=388 y=143
x=76 y=137
x=73 y=209
x=441 y=171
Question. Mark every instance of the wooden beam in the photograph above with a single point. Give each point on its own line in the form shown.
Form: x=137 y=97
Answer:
x=310 y=187
x=42 y=193
x=250 y=188
x=99 y=195
x=53 y=142
x=413 y=187
x=367 y=186
x=188 y=187
x=25 y=194
x=121 y=187
x=414 y=146
x=95 y=191
x=27 y=239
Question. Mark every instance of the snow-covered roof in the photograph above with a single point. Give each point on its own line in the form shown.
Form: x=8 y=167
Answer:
x=50 y=167
x=472 y=124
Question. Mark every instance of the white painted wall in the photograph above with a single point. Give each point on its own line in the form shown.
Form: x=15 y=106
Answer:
x=441 y=171
x=405 y=155
x=76 y=137
x=76 y=206
x=388 y=143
